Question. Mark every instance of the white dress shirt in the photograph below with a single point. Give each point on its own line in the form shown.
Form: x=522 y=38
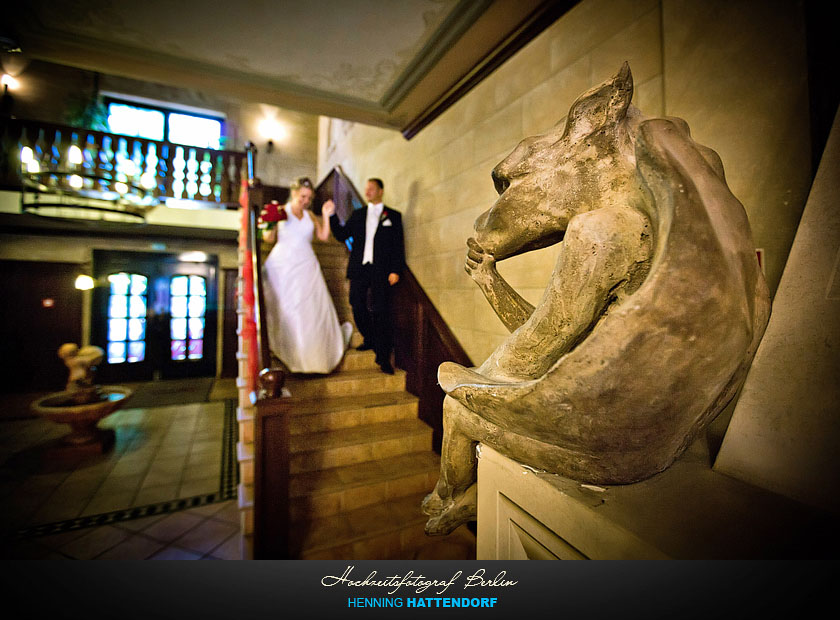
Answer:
x=374 y=212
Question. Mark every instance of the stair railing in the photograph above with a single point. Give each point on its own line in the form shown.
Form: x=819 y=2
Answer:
x=270 y=510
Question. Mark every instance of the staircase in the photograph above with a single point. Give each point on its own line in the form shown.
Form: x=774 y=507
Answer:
x=360 y=459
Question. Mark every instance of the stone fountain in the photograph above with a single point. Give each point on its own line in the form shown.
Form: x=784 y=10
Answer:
x=82 y=404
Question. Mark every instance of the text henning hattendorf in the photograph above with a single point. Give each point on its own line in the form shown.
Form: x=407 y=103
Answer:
x=420 y=582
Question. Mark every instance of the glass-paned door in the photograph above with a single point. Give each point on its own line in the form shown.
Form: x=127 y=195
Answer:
x=188 y=312
x=127 y=310
x=155 y=315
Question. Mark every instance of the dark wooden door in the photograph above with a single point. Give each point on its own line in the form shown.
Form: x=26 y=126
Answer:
x=155 y=315
x=41 y=311
x=230 y=340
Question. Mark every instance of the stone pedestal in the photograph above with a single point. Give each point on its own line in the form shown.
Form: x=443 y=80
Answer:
x=687 y=512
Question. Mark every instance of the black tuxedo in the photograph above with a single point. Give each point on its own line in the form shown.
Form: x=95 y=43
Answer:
x=372 y=315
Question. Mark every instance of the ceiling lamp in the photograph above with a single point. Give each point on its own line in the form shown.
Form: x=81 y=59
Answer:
x=12 y=59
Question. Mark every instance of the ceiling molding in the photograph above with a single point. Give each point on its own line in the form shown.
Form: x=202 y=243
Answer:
x=543 y=16
x=471 y=41
x=458 y=22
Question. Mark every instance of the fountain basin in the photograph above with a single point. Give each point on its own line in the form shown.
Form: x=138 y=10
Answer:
x=63 y=408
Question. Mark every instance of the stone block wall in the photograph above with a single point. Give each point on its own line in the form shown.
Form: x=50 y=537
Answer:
x=735 y=71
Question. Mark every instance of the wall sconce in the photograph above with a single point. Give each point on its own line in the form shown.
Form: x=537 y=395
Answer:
x=7 y=102
x=84 y=282
x=13 y=61
x=272 y=130
x=9 y=82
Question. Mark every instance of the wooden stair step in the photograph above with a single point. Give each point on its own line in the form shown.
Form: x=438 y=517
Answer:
x=245 y=496
x=344 y=532
x=335 y=276
x=336 y=253
x=372 y=472
x=330 y=247
x=347 y=383
x=334 y=266
x=358 y=444
x=340 y=489
x=244 y=452
x=389 y=531
x=326 y=414
x=358 y=360
x=333 y=260
x=339 y=294
x=356 y=435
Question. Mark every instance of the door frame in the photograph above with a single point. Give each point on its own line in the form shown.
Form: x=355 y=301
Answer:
x=157 y=362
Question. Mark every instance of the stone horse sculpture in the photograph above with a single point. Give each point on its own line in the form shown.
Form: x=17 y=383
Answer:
x=650 y=320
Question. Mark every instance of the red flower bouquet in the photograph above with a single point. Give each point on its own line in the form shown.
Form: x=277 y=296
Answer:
x=271 y=214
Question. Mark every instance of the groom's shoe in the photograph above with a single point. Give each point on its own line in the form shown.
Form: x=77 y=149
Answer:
x=387 y=368
x=365 y=347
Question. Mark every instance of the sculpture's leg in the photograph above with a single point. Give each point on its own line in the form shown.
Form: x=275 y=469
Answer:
x=453 y=500
x=460 y=510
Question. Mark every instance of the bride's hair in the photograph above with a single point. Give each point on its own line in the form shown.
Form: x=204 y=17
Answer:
x=301 y=182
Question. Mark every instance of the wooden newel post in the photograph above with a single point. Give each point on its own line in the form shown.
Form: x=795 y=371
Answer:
x=271 y=472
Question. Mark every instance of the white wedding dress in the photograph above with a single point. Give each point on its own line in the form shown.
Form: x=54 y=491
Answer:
x=303 y=329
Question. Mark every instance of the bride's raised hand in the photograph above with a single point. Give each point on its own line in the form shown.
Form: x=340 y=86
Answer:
x=328 y=208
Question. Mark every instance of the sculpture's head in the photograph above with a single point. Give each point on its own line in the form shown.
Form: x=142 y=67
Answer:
x=577 y=166
x=68 y=350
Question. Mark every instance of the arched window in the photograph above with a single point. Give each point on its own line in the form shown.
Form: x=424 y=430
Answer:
x=127 y=309
x=187 y=309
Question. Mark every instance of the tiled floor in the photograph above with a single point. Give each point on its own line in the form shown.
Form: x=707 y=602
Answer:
x=159 y=454
x=209 y=532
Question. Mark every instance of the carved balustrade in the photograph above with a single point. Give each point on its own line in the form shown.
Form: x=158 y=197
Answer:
x=55 y=159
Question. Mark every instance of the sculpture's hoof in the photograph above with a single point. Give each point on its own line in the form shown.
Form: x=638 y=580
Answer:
x=432 y=504
x=455 y=513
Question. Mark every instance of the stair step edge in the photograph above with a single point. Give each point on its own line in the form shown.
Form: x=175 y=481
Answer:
x=310 y=406
x=348 y=375
x=400 y=428
x=383 y=529
x=245 y=414
x=246 y=496
x=393 y=523
x=330 y=488
x=244 y=452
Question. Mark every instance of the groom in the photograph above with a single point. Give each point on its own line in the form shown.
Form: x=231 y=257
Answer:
x=377 y=258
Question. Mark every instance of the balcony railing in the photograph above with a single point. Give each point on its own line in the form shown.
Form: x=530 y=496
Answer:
x=56 y=160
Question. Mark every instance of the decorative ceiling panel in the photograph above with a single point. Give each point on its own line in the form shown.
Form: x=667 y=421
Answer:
x=392 y=63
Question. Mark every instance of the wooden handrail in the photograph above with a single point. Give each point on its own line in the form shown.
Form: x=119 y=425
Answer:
x=259 y=294
x=260 y=354
x=271 y=423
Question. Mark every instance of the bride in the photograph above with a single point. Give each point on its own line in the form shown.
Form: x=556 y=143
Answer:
x=303 y=329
